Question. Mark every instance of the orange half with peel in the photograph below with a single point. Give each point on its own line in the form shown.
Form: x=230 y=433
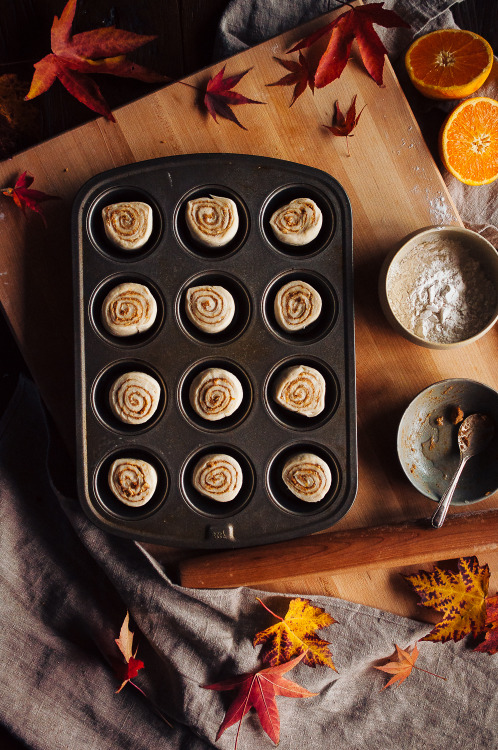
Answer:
x=449 y=63
x=468 y=141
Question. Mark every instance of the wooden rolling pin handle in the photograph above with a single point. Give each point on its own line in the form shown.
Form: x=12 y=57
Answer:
x=343 y=551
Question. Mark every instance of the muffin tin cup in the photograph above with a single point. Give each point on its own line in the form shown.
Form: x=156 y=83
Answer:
x=260 y=434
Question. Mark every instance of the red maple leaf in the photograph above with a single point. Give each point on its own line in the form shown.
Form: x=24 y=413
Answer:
x=344 y=126
x=356 y=23
x=300 y=76
x=24 y=197
x=219 y=96
x=99 y=51
x=258 y=690
x=490 y=643
x=130 y=669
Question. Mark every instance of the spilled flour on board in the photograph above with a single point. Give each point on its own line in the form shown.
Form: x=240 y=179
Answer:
x=440 y=211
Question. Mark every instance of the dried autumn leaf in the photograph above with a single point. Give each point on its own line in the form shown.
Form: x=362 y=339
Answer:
x=19 y=122
x=125 y=644
x=300 y=76
x=24 y=197
x=102 y=50
x=356 y=23
x=258 y=690
x=296 y=634
x=490 y=643
x=219 y=96
x=343 y=126
x=401 y=666
x=459 y=596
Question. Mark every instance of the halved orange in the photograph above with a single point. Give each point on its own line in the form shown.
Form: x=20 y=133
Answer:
x=468 y=141
x=449 y=63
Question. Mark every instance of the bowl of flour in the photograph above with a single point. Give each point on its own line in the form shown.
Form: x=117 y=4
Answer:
x=440 y=288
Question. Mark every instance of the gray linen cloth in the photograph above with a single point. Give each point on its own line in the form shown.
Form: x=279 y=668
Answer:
x=66 y=586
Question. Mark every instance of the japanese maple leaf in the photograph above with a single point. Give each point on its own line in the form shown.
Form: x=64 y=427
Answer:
x=125 y=644
x=296 y=634
x=300 y=76
x=99 y=51
x=401 y=666
x=25 y=197
x=490 y=643
x=219 y=96
x=356 y=23
x=344 y=126
x=258 y=690
x=460 y=596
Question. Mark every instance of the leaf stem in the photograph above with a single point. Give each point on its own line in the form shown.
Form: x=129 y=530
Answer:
x=189 y=85
x=158 y=712
x=269 y=610
x=427 y=672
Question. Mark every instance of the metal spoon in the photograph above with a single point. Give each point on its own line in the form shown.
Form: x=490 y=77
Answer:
x=474 y=435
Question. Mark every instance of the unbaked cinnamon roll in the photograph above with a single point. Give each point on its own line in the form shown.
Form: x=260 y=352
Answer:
x=298 y=222
x=134 y=397
x=132 y=481
x=128 y=225
x=301 y=389
x=307 y=476
x=212 y=220
x=128 y=309
x=215 y=394
x=218 y=476
x=209 y=308
x=297 y=304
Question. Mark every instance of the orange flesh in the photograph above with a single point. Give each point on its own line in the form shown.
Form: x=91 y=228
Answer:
x=448 y=59
x=471 y=142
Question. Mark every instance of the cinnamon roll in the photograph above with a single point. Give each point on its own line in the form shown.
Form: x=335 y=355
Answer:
x=212 y=220
x=298 y=222
x=209 y=308
x=307 y=476
x=218 y=476
x=132 y=481
x=215 y=394
x=128 y=309
x=134 y=397
x=297 y=304
x=301 y=389
x=128 y=225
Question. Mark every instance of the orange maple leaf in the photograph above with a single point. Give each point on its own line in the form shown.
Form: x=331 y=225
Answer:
x=490 y=643
x=99 y=51
x=460 y=596
x=125 y=644
x=296 y=634
x=402 y=664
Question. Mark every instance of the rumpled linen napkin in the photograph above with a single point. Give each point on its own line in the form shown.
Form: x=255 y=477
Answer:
x=66 y=587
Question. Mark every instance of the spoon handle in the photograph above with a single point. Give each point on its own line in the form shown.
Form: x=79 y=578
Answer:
x=437 y=519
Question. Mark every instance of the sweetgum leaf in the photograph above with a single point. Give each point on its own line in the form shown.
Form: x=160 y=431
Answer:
x=356 y=23
x=296 y=634
x=459 y=596
x=99 y=51
x=258 y=690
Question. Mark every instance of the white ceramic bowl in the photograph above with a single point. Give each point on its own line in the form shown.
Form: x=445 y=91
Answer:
x=478 y=247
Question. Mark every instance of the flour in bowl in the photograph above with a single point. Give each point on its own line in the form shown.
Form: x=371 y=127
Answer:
x=440 y=292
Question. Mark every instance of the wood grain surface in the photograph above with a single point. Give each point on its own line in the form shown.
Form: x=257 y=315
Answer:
x=394 y=187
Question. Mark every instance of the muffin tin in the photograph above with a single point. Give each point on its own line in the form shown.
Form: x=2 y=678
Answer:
x=261 y=435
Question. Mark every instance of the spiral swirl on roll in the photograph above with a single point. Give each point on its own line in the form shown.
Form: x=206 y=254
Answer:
x=212 y=220
x=128 y=309
x=215 y=394
x=307 y=476
x=128 y=225
x=134 y=397
x=209 y=308
x=132 y=481
x=298 y=222
x=297 y=304
x=218 y=476
x=301 y=389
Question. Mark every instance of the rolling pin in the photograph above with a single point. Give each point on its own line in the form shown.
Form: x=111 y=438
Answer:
x=333 y=552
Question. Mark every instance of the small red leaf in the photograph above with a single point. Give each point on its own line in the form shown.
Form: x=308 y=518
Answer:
x=129 y=670
x=300 y=76
x=24 y=197
x=490 y=643
x=343 y=126
x=219 y=96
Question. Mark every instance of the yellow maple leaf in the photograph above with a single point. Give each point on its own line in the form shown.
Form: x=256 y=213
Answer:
x=459 y=596
x=295 y=634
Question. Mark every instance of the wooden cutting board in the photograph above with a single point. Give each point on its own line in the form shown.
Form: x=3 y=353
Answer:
x=394 y=187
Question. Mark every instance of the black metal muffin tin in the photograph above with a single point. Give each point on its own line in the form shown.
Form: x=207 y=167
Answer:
x=261 y=435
